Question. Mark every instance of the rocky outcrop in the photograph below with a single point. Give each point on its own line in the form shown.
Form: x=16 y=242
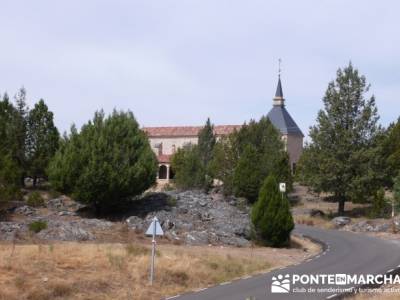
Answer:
x=198 y=218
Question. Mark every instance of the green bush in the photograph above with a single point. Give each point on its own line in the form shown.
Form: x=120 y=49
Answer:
x=271 y=217
x=35 y=199
x=37 y=226
x=107 y=163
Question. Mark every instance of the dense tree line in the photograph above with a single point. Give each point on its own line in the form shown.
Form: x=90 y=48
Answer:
x=241 y=160
x=28 y=140
x=350 y=155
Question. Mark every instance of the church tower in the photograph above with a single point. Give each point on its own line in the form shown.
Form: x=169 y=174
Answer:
x=290 y=132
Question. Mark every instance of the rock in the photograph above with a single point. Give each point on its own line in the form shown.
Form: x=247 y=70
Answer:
x=197 y=238
x=341 y=221
x=64 y=203
x=135 y=223
x=25 y=210
x=65 y=231
x=316 y=213
x=9 y=230
x=66 y=213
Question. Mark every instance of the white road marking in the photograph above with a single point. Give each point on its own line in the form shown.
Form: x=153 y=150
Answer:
x=176 y=296
x=331 y=296
x=246 y=277
x=199 y=290
x=318 y=256
x=224 y=283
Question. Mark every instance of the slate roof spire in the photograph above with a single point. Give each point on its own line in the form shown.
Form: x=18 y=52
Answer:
x=278 y=99
x=280 y=117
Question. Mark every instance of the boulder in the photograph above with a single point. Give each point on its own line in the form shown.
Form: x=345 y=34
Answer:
x=341 y=221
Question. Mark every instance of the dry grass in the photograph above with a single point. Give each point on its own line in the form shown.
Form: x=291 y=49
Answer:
x=120 y=271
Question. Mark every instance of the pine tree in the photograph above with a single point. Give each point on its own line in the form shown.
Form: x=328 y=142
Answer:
x=20 y=127
x=246 y=178
x=42 y=140
x=189 y=168
x=341 y=159
x=378 y=204
x=10 y=170
x=105 y=164
x=271 y=217
x=396 y=188
x=206 y=142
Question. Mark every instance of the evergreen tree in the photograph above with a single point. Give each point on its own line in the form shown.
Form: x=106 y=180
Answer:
x=396 y=188
x=108 y=162
x=246 y=178
x=189 y=168
x=206 y=143
x=271 y=217
x=391 y=152
x=341 y=159
x=378 y=204
x=20 y=127
x=222 y=166
x=10 y=170
x=42 y=140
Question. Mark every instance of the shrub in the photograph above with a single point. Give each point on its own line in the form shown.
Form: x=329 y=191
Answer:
x=271 y=216
x=37 y=226
x=108 y=162
x=35 y=199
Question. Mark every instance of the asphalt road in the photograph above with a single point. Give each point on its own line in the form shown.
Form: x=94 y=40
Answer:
x=344 y=253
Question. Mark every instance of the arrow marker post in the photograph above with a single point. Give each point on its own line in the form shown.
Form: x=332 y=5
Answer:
x=154 y=230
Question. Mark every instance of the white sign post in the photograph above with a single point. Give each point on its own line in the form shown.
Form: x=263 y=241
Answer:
x=154 y=230
x=282 y=188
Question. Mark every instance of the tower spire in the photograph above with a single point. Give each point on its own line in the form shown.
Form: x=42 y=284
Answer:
x=278 y=99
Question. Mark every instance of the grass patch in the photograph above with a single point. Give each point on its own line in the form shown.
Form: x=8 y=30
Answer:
x=35 y=199
x=37 y=226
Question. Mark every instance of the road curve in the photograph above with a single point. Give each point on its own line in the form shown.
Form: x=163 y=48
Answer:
x=344 y=253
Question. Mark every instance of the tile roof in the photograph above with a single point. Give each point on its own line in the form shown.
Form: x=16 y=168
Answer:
x=182 y=131
x=164 y=158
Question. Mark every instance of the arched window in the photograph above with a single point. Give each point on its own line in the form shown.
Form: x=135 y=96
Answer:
x=162 y=172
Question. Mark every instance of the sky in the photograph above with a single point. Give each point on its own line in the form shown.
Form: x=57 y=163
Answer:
x=179 y=62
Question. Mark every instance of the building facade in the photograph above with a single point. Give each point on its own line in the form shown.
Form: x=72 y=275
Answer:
x=166 y=140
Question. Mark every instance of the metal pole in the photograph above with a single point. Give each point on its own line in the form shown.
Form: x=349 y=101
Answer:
x=153 y=251
x=393 y=224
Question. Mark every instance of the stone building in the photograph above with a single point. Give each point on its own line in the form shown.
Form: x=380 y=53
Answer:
x=166 y=140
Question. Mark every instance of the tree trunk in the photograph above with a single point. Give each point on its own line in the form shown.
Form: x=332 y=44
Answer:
x=341 y=202
x=34 y=181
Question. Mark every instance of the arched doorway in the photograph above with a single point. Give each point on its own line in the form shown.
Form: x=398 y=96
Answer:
x=162 y=172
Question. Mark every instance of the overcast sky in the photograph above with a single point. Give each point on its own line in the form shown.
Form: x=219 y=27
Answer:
x=179 y=62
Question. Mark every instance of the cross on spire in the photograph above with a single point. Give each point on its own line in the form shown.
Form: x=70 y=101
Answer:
x=279 y=67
